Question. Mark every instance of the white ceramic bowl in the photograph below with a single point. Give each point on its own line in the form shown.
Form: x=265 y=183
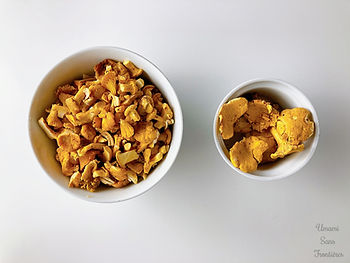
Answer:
x=71 y=68
x=288 y=97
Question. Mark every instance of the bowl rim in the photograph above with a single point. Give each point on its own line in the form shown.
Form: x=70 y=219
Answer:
x=179 y=121
x=276 y=177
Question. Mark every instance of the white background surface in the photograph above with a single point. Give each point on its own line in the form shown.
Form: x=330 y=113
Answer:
x=201 y=211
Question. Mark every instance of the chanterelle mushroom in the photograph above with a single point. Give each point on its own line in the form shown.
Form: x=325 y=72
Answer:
x=229 y=113
x=88 y=132
x=145 y=134
x=61 y=110
x=131 y=113
x=53 y=120
x=126 y=129
x=87 y=180
x=130 y=87
x=108 y=122
x=49 y=132
x=126 y=157
x=267 y=133
x=100 y=173
x=132 y=176
x=74 y=180
x=109 y=82
x=87 y=157
x=292 y=128
x=242 y=125
x=91 y=146
x=150 y=162
x=267 y=137
x=117 y=172
x=107 y=154
x=247 y=153
x=136 y=167
x=135 y=71
x=68 y=140
x=108 y=137
x=165 y=137
x=94 y=121
x=67 y=164
x=261 y=114
x=146 y=105
x=295 y=125
x=284 y=147
x=100 y=68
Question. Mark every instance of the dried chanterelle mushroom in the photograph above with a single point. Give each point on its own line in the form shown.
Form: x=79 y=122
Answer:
x=229 y=113
x=111 y=128
x=293 y=127
x=264 y=133
x=247 y=153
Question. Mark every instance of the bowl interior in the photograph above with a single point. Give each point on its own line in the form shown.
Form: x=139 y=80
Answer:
x=71 y=68
x=286 y=96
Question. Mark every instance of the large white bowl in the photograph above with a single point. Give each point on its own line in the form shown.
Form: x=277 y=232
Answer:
x=288 y=97
x=71 y=68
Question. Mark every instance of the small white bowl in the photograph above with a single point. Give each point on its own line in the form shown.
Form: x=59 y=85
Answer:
x=71 y=68
x=288 y=97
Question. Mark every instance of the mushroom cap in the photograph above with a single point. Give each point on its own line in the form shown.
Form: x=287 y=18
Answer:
x=145 y=133
x=242 y=125
x=126 y=129
x=284 y=146
x=261 y=114
x=295 y=125
x=248 y=153
x=109 y=81
x=229 y=113
x=267 y=137
x=126 y=157
x=68 y=140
